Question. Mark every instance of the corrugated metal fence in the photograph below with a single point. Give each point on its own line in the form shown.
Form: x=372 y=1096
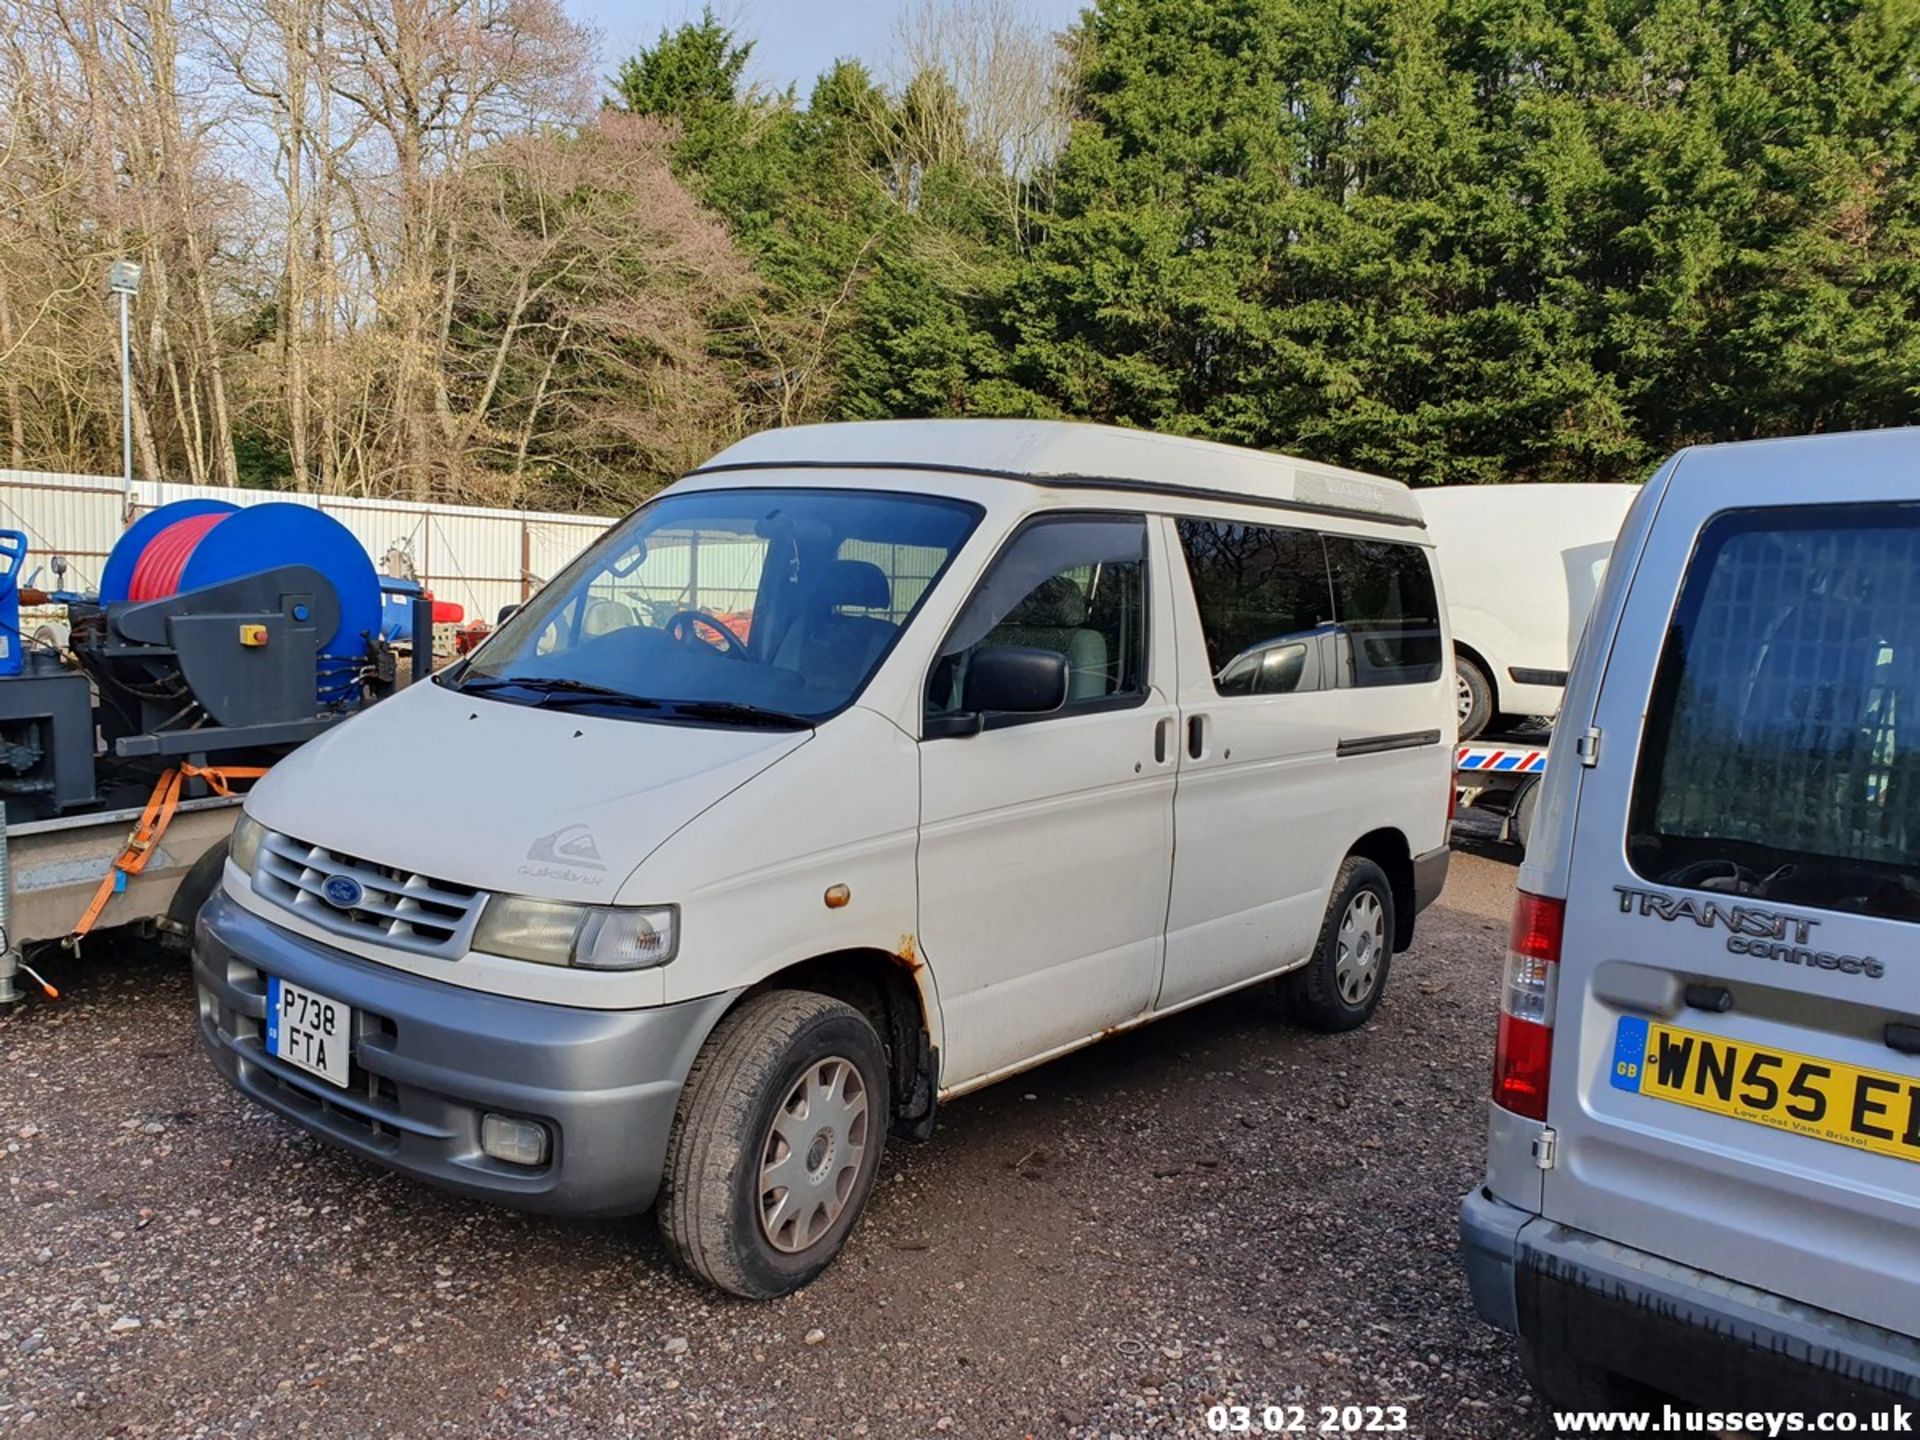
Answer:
x=481 y=559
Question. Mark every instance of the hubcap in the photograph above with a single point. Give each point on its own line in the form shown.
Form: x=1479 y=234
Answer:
x=1362 y=943
x=1462 y=696
x=812 y=1155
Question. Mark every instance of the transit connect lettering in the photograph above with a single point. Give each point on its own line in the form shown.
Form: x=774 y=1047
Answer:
x=1762 y=934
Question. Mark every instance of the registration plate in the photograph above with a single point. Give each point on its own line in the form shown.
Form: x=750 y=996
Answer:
x=1875 y=1110
x=308 y=1029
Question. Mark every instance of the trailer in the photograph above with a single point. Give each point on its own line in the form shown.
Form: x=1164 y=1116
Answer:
x=1496 y=783
x=220 y=639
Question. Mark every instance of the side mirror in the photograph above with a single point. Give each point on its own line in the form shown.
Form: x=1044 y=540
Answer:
x=1015 y=680
x=504 y=614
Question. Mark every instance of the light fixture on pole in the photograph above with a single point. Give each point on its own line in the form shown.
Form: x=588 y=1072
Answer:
x=123 y=279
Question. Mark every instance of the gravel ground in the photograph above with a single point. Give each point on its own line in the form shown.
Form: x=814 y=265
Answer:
x=1215 y=1209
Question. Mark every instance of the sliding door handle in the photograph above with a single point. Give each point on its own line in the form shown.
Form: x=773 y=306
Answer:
x=1196 y=736
x=1162 y=738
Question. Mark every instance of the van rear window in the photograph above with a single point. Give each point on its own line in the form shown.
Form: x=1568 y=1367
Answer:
x=1781 y=754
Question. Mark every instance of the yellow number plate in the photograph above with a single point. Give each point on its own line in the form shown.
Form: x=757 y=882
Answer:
x=1875 y=1110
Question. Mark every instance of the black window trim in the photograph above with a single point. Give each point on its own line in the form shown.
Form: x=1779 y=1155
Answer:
x=1104 y=705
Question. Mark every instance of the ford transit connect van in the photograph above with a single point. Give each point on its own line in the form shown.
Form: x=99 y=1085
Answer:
x=1704 y=1167
x=863 y=767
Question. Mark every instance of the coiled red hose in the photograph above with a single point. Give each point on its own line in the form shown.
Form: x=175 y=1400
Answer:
x=156 y=574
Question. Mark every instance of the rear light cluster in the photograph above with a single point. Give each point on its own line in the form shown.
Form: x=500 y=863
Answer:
x=1523 y=1053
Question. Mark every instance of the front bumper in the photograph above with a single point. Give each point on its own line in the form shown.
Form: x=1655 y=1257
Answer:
x=1707 y=1340
x=429 y=1059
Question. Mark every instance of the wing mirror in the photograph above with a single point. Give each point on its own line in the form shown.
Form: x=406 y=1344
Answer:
x=504 y=614
x=1005 y=680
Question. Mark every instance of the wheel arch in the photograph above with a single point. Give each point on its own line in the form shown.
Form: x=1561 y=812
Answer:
x=883 y=986
x=1388 y=848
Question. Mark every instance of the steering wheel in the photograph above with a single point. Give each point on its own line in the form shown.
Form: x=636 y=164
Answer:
x=681 y=627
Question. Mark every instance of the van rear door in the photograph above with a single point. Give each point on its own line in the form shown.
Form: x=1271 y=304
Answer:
x=1734 y=1080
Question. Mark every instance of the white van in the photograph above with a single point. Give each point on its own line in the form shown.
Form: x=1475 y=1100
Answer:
x=865 y=766
x=1704 y=1167
x=1521 y=565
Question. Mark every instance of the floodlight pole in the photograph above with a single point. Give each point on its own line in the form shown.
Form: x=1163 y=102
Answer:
x=123 y=278
x=126 y=405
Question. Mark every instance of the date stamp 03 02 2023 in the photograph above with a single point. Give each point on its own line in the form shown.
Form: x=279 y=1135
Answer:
x=1307 y=1419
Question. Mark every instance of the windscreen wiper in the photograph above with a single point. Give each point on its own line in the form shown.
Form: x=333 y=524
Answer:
x=737 y=712
x=558 y=689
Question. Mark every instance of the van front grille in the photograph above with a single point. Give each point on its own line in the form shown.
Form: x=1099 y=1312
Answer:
x=394 y=906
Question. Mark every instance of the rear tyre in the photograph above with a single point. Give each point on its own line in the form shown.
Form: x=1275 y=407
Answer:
x=1520 y=824
x=1473 y=696
x=1565 y=1382
x=1341 y=986
x=775 y=1143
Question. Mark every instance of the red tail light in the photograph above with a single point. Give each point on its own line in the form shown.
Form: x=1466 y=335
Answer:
x=1523 y=1053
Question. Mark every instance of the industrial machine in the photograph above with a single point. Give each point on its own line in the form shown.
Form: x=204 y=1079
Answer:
x=221 y=637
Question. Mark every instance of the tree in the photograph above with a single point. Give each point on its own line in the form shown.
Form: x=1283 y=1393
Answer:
x=588 y=283
x=1454 y=241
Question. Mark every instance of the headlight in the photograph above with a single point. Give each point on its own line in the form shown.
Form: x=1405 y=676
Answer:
x=244 y=848
x=594 y=937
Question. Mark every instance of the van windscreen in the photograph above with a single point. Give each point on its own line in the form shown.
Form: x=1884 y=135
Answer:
x=727 y=607
x=1781 y=754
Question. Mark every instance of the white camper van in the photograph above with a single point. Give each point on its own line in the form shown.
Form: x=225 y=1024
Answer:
x=1703 y=1171
x=1521 y=565
x=863 y=767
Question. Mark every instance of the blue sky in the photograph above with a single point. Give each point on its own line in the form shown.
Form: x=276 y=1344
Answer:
x=796 y=39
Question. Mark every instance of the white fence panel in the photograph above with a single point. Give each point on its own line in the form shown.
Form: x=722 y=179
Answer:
x=477 y=558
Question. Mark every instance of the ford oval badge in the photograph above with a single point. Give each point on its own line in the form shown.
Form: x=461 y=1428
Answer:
x=343 y=892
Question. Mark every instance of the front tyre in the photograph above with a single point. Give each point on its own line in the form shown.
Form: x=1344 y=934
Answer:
x=775 y=1143
x=1340 y=987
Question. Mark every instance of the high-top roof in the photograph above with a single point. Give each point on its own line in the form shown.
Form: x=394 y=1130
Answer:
x=1068 y=453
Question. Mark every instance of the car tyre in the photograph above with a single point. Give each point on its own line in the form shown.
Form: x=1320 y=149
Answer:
x=1565 y=1382
x=195 y=889
x=1525 y=805
x=775 y=1143
x=1339 y=988
x=1473 y=696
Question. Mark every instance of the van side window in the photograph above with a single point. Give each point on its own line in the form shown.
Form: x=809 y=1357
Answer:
x=1387 y=612
x=1075 y=585
x=1781 y=754
x=1263 y=594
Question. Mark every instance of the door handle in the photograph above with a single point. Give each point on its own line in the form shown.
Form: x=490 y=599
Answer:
x=1196 y=736
x=1162 y=734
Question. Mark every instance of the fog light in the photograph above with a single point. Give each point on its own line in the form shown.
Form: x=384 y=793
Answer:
x=518 y=1142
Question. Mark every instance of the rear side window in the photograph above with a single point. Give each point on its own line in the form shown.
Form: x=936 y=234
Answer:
x=1781 y=755
x=1387 y=611
x=1262 y=593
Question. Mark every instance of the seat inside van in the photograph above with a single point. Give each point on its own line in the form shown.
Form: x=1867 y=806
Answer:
x=826 y=644
x=1054 y=617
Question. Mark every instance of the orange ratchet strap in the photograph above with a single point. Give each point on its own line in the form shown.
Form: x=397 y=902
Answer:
x=153 y=823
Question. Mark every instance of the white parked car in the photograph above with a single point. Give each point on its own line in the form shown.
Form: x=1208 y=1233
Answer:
x=1704 y=1151
x=865 y=766
x=1521 y=565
